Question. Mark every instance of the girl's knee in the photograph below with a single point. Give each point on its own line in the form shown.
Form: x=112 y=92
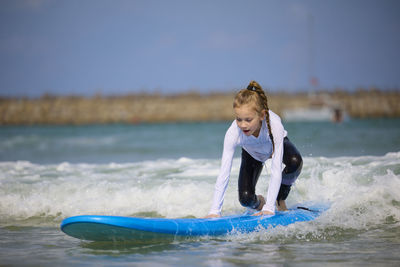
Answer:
x=295 y=163
x=297 y=160
x=247 y=199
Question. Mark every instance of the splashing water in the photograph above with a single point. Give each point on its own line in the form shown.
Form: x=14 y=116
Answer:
x=169 y=175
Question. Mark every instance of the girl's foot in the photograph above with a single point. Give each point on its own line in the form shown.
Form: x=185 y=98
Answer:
x=262 y=202
x=281 y=205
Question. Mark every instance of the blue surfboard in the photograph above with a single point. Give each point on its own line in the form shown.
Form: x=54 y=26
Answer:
x=117 y=228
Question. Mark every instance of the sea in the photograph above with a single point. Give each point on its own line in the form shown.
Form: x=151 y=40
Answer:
x=48 y=173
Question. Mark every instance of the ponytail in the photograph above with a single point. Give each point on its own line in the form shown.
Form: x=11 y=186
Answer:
x=254 y=92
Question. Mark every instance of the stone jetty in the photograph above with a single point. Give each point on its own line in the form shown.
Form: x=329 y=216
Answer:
x=185 y=107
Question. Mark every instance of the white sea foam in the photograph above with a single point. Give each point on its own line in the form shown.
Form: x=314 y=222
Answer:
x=362 y=191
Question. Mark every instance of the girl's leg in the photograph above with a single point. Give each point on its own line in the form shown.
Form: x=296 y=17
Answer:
x=250 y=170
x=294 y=163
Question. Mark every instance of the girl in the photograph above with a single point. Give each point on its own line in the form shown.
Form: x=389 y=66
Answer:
x=261 y=135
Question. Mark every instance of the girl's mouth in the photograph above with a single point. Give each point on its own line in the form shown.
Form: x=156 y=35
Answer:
x=246 y=131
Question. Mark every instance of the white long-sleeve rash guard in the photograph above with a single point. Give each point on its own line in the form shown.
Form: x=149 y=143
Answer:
x=260 y=148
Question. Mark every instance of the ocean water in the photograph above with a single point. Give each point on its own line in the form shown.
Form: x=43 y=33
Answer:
x=48 y=173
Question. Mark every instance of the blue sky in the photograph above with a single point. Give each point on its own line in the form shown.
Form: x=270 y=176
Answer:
x=118 y=47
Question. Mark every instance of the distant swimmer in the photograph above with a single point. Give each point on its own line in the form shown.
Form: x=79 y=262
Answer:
x=261 y=135
x=337 y=115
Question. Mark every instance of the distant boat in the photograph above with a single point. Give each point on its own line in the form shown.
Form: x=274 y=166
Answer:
x=319 y=109
x=313 y=114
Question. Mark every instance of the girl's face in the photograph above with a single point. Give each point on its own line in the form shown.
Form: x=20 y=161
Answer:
x=249 y=120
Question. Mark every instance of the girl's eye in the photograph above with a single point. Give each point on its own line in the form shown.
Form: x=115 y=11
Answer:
x=246 y=120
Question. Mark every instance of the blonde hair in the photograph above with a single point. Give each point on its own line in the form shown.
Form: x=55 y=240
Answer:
x=254 y=95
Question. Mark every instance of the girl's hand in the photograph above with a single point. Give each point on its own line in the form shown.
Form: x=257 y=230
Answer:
x=265 y=212
x=212 y=216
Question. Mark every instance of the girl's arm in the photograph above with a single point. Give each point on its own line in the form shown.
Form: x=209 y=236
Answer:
x=224 y=174
x=276 y=165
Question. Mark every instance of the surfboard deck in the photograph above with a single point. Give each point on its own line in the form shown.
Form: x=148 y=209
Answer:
x=118 y=228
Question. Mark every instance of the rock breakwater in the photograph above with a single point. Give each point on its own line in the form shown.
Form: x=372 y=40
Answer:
x=183 y=107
